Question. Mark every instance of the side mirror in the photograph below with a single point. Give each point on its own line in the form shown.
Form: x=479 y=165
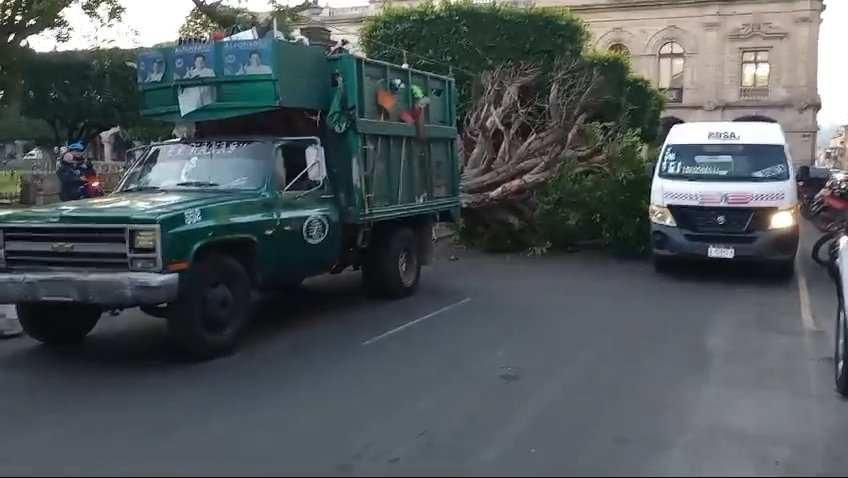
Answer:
x=803 y=173
x=649 y=168
x=316 y=164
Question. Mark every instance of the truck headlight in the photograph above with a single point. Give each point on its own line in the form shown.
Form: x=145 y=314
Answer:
x=144 y=240
x=661 y=215
x=783 y=219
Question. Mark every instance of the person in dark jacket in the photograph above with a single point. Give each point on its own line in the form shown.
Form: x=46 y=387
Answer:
x=72 y=172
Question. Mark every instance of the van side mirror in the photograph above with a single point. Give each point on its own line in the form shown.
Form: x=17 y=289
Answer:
x=803 y=173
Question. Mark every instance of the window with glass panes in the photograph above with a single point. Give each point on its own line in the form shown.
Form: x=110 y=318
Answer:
x=672 y=62
x=755 y=69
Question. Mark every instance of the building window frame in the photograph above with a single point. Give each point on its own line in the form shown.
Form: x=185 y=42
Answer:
x=756 y=73
x=671 y=64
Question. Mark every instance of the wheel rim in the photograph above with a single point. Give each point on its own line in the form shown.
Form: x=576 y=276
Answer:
x=407 y=264
x=840 y=342
x=217 y=307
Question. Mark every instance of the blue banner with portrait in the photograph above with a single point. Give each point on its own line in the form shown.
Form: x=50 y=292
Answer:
x=152 y=67
x=247 y=57
x=193 y=61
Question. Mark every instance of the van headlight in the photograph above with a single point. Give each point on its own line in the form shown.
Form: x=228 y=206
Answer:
x=783 y=219
x=661 y=215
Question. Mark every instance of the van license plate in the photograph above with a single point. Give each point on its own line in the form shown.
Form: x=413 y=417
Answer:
x=721 y=252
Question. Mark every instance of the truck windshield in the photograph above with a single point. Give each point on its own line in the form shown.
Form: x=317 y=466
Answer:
x=724 y=162
x=233 y=165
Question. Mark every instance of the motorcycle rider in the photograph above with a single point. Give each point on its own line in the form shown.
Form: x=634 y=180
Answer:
x=73 y=169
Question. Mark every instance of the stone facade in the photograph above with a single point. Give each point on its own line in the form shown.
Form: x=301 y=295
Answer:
x=722 y=60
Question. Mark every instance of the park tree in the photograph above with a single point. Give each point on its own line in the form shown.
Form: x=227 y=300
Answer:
x=207 y=17
x=22 y=19
x=81 y=93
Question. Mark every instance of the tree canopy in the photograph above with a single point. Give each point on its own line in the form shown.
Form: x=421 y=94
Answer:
x=207 y=17
x=80 y=93
x=21 y=19
x=467 y=39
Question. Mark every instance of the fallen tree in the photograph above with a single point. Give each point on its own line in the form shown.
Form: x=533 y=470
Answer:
x=522 y=128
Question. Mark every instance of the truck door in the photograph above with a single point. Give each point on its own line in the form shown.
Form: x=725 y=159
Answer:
x=307 y=239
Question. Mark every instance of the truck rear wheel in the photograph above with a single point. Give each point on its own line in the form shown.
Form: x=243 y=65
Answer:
x=212 y=308
x=393 y=265
x=58 y=324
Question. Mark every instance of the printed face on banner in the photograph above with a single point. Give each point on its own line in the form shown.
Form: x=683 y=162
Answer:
x=247 y=57
x=194 y=61
x=151 y=67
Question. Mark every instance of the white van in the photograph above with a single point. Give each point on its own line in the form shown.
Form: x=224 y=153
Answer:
x=725 y=191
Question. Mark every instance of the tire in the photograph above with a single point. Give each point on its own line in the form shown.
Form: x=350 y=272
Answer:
x=58 y=324
x=840 y=351
x=663 y=265
x=393 y=265
x=212 y=308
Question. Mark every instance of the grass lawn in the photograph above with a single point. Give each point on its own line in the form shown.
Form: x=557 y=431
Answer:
x=10 y=182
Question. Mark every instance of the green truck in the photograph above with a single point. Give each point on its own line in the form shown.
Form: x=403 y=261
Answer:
x=292 y=163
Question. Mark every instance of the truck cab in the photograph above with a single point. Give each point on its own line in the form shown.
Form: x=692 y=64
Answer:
x=285 y=173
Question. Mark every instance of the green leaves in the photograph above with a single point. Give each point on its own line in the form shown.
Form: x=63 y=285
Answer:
x=471 y=37
x=607 y=206
x=21 y=19
x=80 y=93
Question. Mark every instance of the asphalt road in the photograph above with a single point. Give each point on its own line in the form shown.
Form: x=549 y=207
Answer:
x=573 y=364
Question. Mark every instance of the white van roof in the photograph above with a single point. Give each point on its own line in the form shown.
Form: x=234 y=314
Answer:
x=722 y=132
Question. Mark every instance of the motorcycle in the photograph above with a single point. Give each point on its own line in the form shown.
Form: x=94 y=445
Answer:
x=92 y=188
x=830 y=203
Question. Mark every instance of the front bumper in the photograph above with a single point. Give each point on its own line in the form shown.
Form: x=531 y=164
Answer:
x=110 y=290
x=771 y=245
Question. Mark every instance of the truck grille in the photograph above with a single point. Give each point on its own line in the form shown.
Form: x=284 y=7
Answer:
x=66 y=247
x=721 y=220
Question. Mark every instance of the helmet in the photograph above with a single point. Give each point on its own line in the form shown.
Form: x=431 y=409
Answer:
x=78 y=146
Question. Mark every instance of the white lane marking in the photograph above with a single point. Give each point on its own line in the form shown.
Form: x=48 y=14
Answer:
x=410 y=324
x=807 y=318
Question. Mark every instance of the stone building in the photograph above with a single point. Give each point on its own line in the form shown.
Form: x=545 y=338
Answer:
x=836 y=153
x=716 y=60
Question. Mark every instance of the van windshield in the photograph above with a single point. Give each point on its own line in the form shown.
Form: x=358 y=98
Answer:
x=724 y=162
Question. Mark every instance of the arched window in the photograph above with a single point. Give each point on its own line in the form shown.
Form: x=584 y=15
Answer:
x=620 y=49
x=672 y=61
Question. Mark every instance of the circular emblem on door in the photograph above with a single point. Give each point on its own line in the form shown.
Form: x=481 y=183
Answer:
x=721 y=220
x=315 y=229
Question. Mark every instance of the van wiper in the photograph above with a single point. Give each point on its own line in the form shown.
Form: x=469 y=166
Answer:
x=197 y=184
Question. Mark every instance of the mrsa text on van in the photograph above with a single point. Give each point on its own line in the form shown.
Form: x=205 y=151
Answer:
x=724 y=136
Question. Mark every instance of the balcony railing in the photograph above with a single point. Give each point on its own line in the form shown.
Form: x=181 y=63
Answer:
x=748 y=93
x=673 y=95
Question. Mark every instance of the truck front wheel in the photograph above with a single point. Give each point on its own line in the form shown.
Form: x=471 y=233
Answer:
x=393 y=265
x=58 y=324
x=212 y=308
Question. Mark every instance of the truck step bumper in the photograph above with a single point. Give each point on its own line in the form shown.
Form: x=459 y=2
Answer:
x=110 y=290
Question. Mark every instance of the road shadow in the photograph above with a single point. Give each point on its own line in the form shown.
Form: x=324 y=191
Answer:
x=741 y=273
x=135 y=341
